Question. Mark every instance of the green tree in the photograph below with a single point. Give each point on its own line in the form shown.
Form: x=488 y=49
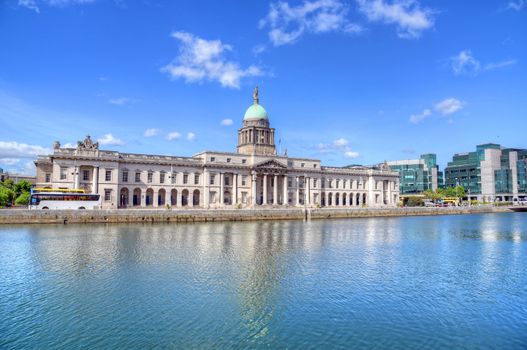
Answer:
x=9 y=184
x=459 y=191
x=432 y=195
x=22 y=186
x=6 y=196
x=22 y=199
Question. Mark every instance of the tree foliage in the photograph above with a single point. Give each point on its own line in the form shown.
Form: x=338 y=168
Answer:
x=17 y=192
x=6 y=196
x=22 y=199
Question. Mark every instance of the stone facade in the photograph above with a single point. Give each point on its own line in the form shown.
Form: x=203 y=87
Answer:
x=254 y=176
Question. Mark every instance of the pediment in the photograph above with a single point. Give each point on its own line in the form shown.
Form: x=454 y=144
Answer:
x=270 y=164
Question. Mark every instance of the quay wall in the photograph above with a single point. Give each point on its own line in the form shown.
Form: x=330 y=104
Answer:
x=24 y=216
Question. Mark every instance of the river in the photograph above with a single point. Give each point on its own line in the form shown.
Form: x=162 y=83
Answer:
x=398 y=283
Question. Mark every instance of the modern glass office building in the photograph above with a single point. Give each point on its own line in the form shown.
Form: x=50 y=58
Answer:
x=418 y=175
x=491 y=173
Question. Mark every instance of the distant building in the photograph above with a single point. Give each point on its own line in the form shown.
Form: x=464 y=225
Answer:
x=253 y=176
x=418 y=175
x=490 y=173
x=16 y=177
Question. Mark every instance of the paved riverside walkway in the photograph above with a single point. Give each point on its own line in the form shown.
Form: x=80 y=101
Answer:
x=25 y=216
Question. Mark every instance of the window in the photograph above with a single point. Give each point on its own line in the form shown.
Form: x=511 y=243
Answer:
x=228 y=160
x=174 y=178
x=314 y=183
x=48 y=177
x=137 y=176
x=244 y=197
x=302 y=165
x=125 y=176
x=185 y=179
x=314 y=165
x=289 y=182
x=107 y=195
x=162 y=177
x=63 y=173
x=85 y=175
x=108 y=175
x=226 y=181
x=244 y=161
x=244 y=180
x=196 y=179
x=212 y=176
x=150 y=177
x=213 y=197
x=212 y=159
x=337 y=184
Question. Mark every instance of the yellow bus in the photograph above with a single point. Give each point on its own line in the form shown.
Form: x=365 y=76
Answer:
x=55 y=190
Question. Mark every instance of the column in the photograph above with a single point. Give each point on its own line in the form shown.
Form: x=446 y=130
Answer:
x=235 y=189
x=206 y=191
x=179 y=198
x=298 y=190
x=143 y=197
x=308 y=190
x=155 y=200
x=371 y=199
x=286 y=193
x=275 y=190
x=390 y=199
x=76 y=177
x=95 y=184
x=253 y=188
x=221 y=188
x=264 y=189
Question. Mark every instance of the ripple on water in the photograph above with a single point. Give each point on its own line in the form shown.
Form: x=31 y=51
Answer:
x=398 y=283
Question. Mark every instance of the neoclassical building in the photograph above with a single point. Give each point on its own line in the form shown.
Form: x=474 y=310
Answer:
x=255 y=175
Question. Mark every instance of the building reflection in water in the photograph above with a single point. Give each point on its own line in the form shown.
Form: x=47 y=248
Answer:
x=255 y=269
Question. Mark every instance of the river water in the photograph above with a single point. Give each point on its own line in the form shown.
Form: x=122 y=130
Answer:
x=386 y=283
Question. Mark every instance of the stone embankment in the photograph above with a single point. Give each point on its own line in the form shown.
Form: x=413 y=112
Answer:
x=23 y=216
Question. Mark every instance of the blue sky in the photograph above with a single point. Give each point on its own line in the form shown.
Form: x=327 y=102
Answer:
x=348 y=82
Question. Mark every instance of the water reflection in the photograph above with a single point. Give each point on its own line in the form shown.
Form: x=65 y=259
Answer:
x=388 y=282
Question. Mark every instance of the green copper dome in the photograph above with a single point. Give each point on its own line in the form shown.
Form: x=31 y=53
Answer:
x=255 y=112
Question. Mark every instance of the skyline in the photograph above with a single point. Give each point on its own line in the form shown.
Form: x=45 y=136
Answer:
x=171 y=84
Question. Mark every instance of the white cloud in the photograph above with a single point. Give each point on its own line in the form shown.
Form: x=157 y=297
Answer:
x=466 y=63
x=449 y=106
x=34 y=4
x=351 y=154
x=339 y=145
x=9 y=161
x=407 y=15
x=120 y=101
x=258 y=49
x=498 y=65
x=191 y=136
x=226 y=122
x=68 y=145
x=174 y=135
x=109 y=139
x=12 y=149
x=288 y=23
x=342 y=142
x=516 y=5
x=29 y=168
x=201 y=59
x=151 y=132
x=418 y=118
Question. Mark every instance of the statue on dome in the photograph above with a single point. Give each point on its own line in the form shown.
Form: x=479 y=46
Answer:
x=255 y=95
